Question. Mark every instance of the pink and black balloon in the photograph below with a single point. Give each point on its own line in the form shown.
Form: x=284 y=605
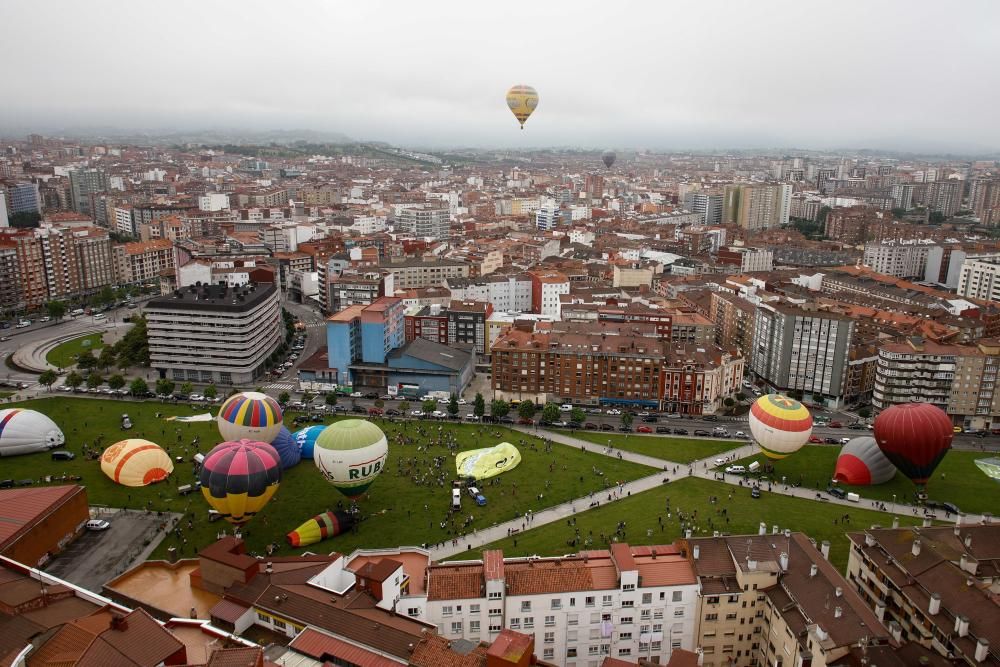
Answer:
x=915 y=437
x=239 y=478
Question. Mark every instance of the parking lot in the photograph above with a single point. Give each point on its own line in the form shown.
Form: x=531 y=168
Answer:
x=98 y=556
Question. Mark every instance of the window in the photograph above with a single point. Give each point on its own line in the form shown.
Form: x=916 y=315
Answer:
x=571 y=652
x=657 y=627
x=731 y=617
x=711 y=617
x=606 y=601
x=712 y=599
x=628 y=603
x=655 y=647
x=494 y=595
x=572 y=619
x=495 y=611
x=550 y=637
x=515 y=623
x=678 y=613
x=263 y=617
x=626 y=620
x=494 y=628
x=413 y=611
x=529 y=622
x=624 y=635
x=473 y=608
x=456 y=628
x=281 y=625
x=556 y=603
x=592 y=650
x=549 y=653
x=526 y=605
x=589 y=601
x=446 y=610
x=644 y=614
x=550 y=621
x=628 y=587
x=647 y=598
x=734 y=598
x=473 y=627
x=624 y=651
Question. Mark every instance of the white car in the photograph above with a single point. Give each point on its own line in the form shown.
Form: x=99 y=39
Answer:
x=736 y=470
x=100 y=316
x=471 y=417
x=644 y=413
x=566 y=407
x=357 y=394
x=45 y=319
x=740 y=434
x=22 y=324
x=614 y=411
x=438 y=414
x=65 y=387
x=462 y=401
x=674 y=415
x=98 y=524
x=416 y=413
x=196 y=397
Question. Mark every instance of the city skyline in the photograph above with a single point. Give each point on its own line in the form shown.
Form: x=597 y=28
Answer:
x=687 y=76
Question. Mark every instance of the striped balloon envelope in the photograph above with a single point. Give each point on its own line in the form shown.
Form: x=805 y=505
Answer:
x=522 y=101
x=136 y=462
x=249 y=415
x=780 y=425
x=320 y=527
x=239 y=478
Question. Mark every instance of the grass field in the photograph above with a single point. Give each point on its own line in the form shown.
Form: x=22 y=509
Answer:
x=64 y=354
x=642 y=514
x=395 y=503
x=678 y=449
x=956 y=480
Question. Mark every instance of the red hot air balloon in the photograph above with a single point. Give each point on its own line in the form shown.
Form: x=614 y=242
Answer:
x=915 y=437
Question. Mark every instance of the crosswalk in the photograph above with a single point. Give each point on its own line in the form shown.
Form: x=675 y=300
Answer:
x=281 y=386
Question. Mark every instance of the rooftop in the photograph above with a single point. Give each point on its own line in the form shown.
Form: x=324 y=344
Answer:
x=214 y=298
x=165 y=586
x=20 y=509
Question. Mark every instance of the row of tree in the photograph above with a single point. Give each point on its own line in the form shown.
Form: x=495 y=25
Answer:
x=131 y=350
x=136 y=387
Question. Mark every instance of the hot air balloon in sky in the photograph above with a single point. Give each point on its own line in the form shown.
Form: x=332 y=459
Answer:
x=351 y=454
x=239 y=478
x=26 y=431
x=915 y=437
x=249 y=415
x=522 y=100
x=781 y=425
x=861 y=463
x=320 y=527
x=306 y=438
x=608 y=157
x=136 y=462
x=287 y=448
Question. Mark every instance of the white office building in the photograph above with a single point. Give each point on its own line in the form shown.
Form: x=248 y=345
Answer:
x=214 y=334
x=425 y=223
x=980 y=278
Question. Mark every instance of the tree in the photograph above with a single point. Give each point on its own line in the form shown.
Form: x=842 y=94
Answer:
x=740 y=396
x=936 y=217
x=865 y=412
x=796 y=394
x=307 y=397
x=95 y=380
x=577 y=416
x=429 y=406
x=550 y=413
x=165 y=387
x=106 y=358
x=453 y=405
x=133 y=348
x=48 y=378
x=73 y=380
x=499 y=409
x=823 y=212
x=187 y=388
x=55 y=309
x=210 y=392
x=116 y=381
x=379 y=403
x=138 y=387
x=898 y=212
x=526 y=410
x=25 y=219
x=729 y=402
x=479 y=406
x=86 y=360
x=105 y=296
x=284 y=397
x=404 y=407
x=331 y=398
x=627 y=419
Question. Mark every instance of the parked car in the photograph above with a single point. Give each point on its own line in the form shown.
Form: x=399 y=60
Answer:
x=844 y=441
x=940 y=505
x=836 y=492
x=711 y=418
x=392 y=412
x=357 y=394
x=625 y=429
x=755 y=492
x=816 y=440
x=607 y=427
x=644 y=413
x=674 y=415
x=23 y=324
x=360 y=409
x=701 y=432
x=856 y=426
x=98 y=524
x=736 y=470
x=614 y=411
x=740 y=434
x=416 y=413
x=835 y=424
x=649 y=419
x=644 y=429
x=590 y=426
x=680 y=431
x=831 y=441
x=663 y=429
x=524 y=421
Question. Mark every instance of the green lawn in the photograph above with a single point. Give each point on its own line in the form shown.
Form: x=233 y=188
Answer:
x=956 y=480
x=678 y=449
x=643 y=511
x=64 y=354
x=395 y=503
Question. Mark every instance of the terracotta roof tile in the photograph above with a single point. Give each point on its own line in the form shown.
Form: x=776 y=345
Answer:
x=245 y=656
x=435 y=651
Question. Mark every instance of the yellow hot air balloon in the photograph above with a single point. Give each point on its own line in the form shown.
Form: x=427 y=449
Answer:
x=136 y=462
x=522 y=100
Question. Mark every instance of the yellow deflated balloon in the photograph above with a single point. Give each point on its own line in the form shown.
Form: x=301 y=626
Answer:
x=488 y=462
x=136 y=462
x=522 y=101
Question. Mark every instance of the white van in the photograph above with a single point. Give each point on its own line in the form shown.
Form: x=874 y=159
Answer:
x=853 y=497
x=566 y=407
x=754 y=466
x=76 y=313
x=456 y=499
x=99 y=316
x=736 y=470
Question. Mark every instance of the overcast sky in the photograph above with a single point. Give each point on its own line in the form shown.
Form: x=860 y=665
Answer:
x=898 y=74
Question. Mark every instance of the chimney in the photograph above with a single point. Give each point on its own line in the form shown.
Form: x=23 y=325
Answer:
x=824 y=549
x=982 y=649
x=962 y=625
x=654 y=554
x=839 y=592
x=751 y=564
x=897 y=631
x=838 y=612
x=895 y=522
x=916 y=548
x=926 y=522
x=813 y=569
x=968 y=540
x=701 y=657
x=957 y=529
x=783 y=560
x=987 y=518
x=118 y=623
x=934 y=606
x=687 y=534
x=774 y=529
x=762 y=528
x=268 y=567
x=880 y=611
x=788 y=533
x=869 y=540
x=696 y=552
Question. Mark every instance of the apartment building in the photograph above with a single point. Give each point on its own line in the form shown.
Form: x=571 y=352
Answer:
x=696 y=380
x=734 y=319
x=546 y=286
x=350 y=288
x=415 y=273
x=504 y=293
x=746 y=259
x=364 y=333
x=851 y=224
x=624 y=602
x=708 y=206
x=94 y=258
x=899 y=260
x=754 y=206
x=430 y=223
x=944 y=197
x=467 y=325
x=212 y=333
x=934 y=586
x=689 y=327
x=774 y=599
x=802 y=350
x=959 y=379
x=11 y=292
x=143 y=261
x=84 y=183
x=979 y=278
